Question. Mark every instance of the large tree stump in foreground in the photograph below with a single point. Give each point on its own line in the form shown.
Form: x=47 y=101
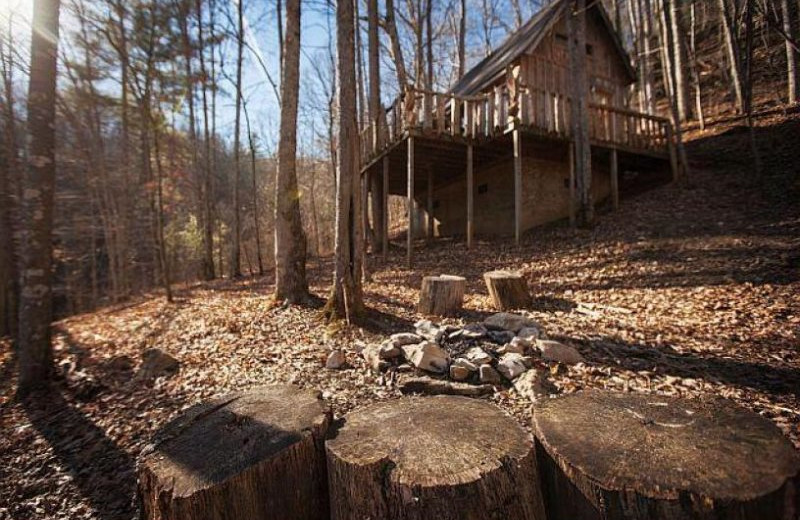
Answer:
x=245 y=456
x=633 y=456
x=442 y=457
x=508 y=290
x=441 y=295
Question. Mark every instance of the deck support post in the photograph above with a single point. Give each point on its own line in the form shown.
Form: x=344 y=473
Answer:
x=673 y=155
x=614 y=180
x=429 y=209
x=517 y=184
x=385 y=207
x=410 y=200
x=470 y=196
x=571 y=153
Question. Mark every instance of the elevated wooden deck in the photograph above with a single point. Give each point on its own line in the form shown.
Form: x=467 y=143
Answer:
x=486 y=119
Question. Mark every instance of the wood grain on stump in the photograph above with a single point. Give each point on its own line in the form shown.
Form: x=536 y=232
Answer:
x=441 y=295
x=634 y=456
x=442 y=457
x=252 y=455
x=508 y=290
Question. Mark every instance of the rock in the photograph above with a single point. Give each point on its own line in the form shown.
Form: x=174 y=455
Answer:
x=534 y=384
x=156 y=363
x=478 y=356
x=489 y=375
x=509 y=321
x=465 y=363
x=427 y=356
x=511 y=366
x=459 y=373
x=501 y=337
x=515 y=346
x=335 y=360
x=372 y=355
x=120 y=363
x=404 y=338
x=426 y=385
x=530 y=333
x=558 y=352
x=429 y=330
x=388 y=350
x=471 y=331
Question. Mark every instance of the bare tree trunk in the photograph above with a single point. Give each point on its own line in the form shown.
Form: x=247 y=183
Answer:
x=9 y=178
x=679 y=53
x=733 y=54
x=791 y=55
x=646 y=17
x=346 y=299
x=576 y=21
x=360 y=83
x=462 y=38
x=376 y=118
x=208 y=217
x=429 y=43
x=698 y=93
x=397 y=50
x=161 y=243
x=36 y=247
x=673 y=103
x=256 y=225
x=518 y=13
x=290 y=240
x=235 y=263
x=748 y=87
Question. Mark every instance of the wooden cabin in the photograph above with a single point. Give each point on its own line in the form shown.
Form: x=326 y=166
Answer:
x=493 y=156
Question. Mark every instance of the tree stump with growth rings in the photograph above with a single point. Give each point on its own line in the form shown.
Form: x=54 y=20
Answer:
x=508 y=290
x=613 y=456
x=442 y=457
x=252 y=455
x=441 y=295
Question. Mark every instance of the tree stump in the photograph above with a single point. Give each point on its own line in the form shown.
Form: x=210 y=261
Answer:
x=508 y=290
x=249 y=455
x=442 y=457
x=633 y=456
x=442 y=295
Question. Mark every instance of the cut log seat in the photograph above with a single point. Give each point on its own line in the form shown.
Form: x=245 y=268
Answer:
x=442 y=457
x=614 y=456
x=441 y=295
x=508 y=290
x=252 y=455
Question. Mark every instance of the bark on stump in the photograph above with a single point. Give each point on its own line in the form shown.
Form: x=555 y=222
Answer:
x=441 y=295
x=249 y=455
x=632 y=456
x=508 y=290
x=442 y=457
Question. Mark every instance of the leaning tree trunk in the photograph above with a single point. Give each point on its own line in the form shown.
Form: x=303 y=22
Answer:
x=733 y=54
x=36 y=246
x=290 y=240
x=245 y=456
x=397 y=49
x=508 y=290
x=441 y=295
x=622 y=456
x=442 y=457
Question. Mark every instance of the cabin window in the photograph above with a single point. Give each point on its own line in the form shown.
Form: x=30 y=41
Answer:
x=483 y=188
x=589 y=49
x=561 y=38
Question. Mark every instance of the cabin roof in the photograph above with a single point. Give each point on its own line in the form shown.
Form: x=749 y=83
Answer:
x=527 y=37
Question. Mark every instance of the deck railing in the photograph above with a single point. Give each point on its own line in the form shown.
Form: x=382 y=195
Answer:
x=486 y=116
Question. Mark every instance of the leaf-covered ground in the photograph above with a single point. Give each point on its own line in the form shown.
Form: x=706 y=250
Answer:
x=682 y=292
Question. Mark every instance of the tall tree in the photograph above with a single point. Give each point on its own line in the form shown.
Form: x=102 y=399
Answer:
x=36 y=248
x=576 y=20
x=680 y=61
x=732 y=50
x=397 y=50
x=208 y=206
x=376 y=118
x=235 y=263
x=290 y=240
x=791 y=53
x=346 y=300
x=462 y=39
x=670 y=52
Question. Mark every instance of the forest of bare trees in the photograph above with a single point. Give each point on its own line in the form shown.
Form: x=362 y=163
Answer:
x=118 y=152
